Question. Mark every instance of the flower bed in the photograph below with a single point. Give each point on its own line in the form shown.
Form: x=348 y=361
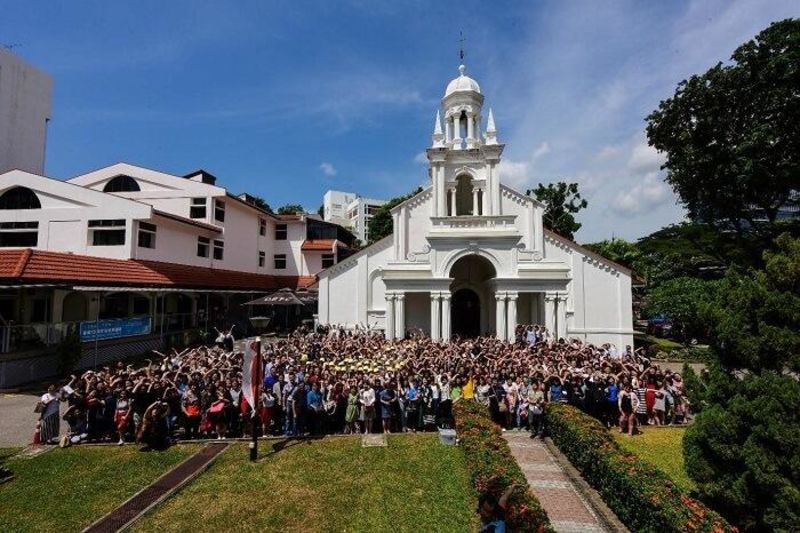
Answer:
x=642 y=496
x=493 y=468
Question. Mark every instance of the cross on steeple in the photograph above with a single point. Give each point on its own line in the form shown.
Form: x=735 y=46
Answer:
x=461 y=53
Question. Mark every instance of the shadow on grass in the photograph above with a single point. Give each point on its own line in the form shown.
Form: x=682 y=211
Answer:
x=289 y=442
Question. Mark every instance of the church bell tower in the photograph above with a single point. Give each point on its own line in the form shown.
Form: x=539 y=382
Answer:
x=463 y=158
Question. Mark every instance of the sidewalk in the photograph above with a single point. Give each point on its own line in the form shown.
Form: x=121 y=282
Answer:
x=563 y=498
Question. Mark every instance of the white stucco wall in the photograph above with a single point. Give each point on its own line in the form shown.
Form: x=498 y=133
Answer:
x=26 y=95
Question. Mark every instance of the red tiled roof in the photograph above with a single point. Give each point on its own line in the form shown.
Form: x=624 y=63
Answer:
x=325 y=245
x=39 y=265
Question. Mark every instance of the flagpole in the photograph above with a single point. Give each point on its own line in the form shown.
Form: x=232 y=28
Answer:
x=256 y=401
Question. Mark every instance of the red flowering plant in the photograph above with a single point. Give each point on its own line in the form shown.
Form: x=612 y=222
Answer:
x=493 y=469
x=641 y=495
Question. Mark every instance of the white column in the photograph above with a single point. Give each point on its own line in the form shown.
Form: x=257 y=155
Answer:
x=400 y=312
x=395 y=230
x=446 y=316
x=453 y=210
x=500 y=315
x=562 y=315
x=470 y=129
x=512 y=316
x=443 y=193
x=475 y=202
x=550 y=313
x=488 y=197
x=403 y=239
x=456 y=133
x=389 y=317
x=435 y=316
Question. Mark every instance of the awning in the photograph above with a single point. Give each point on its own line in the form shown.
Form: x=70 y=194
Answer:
x=283 y=297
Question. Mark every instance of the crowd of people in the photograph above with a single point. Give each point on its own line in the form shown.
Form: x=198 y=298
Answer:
x=336 y=381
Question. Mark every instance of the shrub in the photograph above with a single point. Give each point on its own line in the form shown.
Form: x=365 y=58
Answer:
x=642 y=496
x=742 y=450
x=493 y=468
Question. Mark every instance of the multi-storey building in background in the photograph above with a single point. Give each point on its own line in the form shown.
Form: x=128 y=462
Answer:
x=351 y=210
x=162 y=253
x=26 y=95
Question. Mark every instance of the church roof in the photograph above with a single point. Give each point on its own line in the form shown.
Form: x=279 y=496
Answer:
x=462 y=83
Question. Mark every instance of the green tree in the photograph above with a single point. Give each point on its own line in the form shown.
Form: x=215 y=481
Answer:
x=563 y=201
x=291 y=209
x=321 y=210
x=681 y=299
x=381 y=223
x=742 y=450
x=755 y=321
x=261 y=203
x=617 y=250
x=732 y=135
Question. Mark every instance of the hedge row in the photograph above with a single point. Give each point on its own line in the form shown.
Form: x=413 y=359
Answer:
x=642 y=496
x=493 y=468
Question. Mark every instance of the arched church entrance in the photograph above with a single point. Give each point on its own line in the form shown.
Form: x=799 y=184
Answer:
x=466 y=313
x=471 y=293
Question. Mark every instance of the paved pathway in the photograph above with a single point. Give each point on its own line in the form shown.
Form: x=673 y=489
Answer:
x=568 y=509
x=17 y=419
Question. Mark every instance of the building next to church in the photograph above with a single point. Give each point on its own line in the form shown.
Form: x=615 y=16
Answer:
x=130 y=256
x=351 y=211
x=470 y=255
x=26 y=95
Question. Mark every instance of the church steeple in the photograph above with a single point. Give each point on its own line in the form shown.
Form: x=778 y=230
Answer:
x=491 y=130
x=438 y=136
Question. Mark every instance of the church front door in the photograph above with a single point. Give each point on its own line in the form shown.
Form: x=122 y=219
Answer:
x=466 y=313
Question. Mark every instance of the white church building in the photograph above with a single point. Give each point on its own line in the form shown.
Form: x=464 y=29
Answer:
x=470 y=256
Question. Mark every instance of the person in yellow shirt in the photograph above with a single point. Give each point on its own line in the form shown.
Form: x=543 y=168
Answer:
x=468 y=391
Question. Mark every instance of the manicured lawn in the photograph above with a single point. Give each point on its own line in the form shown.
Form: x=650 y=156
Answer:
x=663 y=448
x=66 y=490
x=414 y=484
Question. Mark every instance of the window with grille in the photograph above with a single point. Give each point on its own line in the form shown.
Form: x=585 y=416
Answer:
x=219 y=250
x=147 y=235
x=19 y=234
x=107 y=232
x=262 y=226
x=280 y=261
x=262 y=259
x=219 y=210
x=198 y=208
x=203 y=243
x=281 y=232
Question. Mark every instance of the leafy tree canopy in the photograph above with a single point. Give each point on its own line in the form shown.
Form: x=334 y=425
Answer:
x=261 y=203
x=617 y=250
x=682 y=299
x=742 y=450
x=563 y=201
x=755 y=320
x=291 y=209
x=732 y=135
x=381 y=224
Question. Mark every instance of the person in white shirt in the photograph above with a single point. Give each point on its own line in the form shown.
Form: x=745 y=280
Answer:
x=49 y=419
x=367 y=397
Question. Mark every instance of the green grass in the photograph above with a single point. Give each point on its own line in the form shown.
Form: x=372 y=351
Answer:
x=5 y=453
x=414 y=484
x=663 y=448
x=66 y=490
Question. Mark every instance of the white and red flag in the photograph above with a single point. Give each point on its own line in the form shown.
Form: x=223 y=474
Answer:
x=252 y=373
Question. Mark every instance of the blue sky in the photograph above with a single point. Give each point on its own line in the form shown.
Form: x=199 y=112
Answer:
x=289 y=99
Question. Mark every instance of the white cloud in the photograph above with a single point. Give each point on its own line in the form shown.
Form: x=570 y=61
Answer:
x=328 y=169
x=645 y=159
x=647 y=195
x=541 y=151
x=515 y=174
